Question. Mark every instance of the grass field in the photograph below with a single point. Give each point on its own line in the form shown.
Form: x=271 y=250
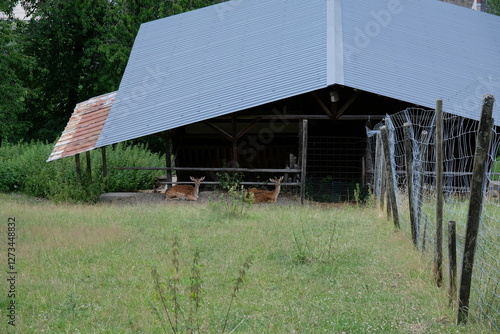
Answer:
x=316 y=269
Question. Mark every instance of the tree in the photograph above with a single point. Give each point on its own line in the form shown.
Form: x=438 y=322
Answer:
x=13 y=93
x=79 y=50
x=494 y=6
x=63 y=36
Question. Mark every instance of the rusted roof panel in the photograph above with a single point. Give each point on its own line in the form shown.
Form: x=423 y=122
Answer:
x=84 y=127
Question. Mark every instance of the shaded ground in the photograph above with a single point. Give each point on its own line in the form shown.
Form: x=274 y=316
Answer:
x=205 y=197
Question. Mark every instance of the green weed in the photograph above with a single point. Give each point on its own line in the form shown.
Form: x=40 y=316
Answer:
x=173 y=315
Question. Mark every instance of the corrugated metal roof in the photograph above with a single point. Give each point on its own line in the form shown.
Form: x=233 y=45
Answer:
x=421 y=50
x=218 y=60
x=84 y=127
x=243 y=53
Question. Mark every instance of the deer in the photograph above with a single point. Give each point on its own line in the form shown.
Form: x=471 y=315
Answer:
x=263 y=196
x=184 y=191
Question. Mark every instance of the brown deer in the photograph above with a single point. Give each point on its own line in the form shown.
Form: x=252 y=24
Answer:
x=263 y=196
x=184 y=191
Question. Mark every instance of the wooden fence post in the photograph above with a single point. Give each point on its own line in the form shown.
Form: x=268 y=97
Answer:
x=438 y=251
x=424 y=234
x=475 y=206
x=409 y=181
x=381 y=162
x=376 y=182
x=452 y=261
x=420 y=191
x=391 y=188
x=303 y=163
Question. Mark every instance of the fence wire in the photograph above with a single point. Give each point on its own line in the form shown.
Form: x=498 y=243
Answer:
x=459 y=146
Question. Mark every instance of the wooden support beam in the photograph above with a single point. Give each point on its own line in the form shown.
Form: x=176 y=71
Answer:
x=322 y=105
x=347 y=104
x=78 y=166
x=104 y=167
x=201 y=169
x=234 y=140
x=219 y=130
x=104 y=162
x=248 y=127
x=303 y=162
x=168 y=153
x=89 y=165
x=309 y=117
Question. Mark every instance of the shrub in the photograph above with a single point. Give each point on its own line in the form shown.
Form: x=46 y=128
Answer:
x=23 y=168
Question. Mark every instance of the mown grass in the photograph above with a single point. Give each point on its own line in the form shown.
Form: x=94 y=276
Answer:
x=87 y=269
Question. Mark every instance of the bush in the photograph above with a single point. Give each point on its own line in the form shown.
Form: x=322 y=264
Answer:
x=23 y=168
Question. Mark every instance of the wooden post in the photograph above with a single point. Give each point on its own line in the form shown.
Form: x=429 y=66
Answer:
x=168 y=154
x=409 y=181
x=475 y=206
x=387 y=197
x=89 y=165
x=104 y=162
x=391 y=189
x=168 y=157
x=104 y=167
x=424 y=234
x=234 y=141
x=303 y=163
x=382 y=190
x=384 y=198
x=420 y=191
x=452 y=260
x=438 y=251
x=376 y=182
x=78 y=167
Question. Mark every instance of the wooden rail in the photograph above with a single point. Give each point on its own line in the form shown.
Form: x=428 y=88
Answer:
x=202 y=169
x=242 y=183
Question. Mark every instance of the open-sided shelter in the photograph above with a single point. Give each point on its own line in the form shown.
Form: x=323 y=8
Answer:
x=232 y=83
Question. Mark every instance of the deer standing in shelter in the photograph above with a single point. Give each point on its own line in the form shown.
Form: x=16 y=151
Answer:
x=184 y=191
x=263 y=196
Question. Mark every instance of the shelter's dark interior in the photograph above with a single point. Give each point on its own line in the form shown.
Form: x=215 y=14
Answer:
x=267 y=135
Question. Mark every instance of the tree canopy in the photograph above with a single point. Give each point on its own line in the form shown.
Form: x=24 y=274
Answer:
x=14 y=66
x=68 y=52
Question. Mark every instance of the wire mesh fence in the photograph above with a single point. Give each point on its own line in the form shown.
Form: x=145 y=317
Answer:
x=458 y=149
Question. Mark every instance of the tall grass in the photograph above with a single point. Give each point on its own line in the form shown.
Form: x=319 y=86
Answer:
x=87 y=269
x=23 y=168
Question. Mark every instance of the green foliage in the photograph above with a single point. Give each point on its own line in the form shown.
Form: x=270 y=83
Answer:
x=23 y=168
x=230 y=180
x=13 y=66
x=70 y=51
x=132 y=156
x=234 y=203
x=494 y=7
x=64 y=39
